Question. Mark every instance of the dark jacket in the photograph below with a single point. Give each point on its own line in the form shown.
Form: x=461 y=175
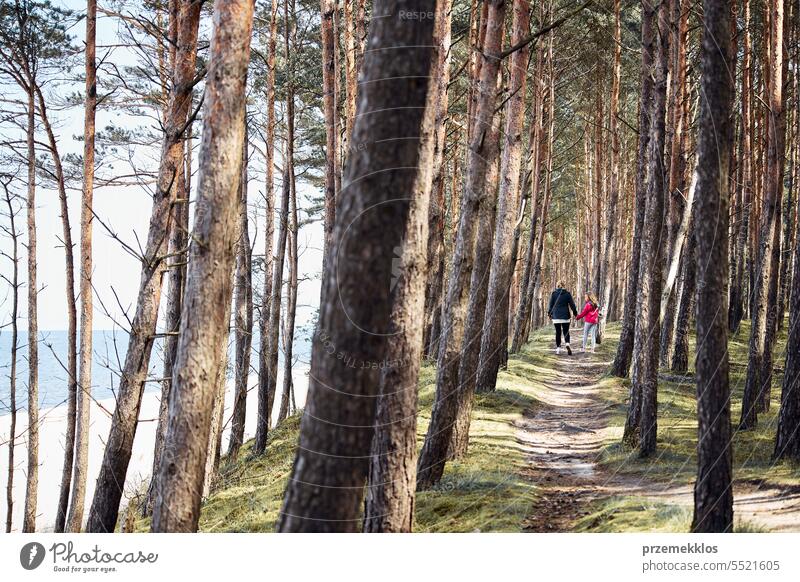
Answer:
x=560 y=304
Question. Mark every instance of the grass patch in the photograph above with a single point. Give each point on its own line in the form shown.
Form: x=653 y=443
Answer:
x=485 y=491
x=675 y=461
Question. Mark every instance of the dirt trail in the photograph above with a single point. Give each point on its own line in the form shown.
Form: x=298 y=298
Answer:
x=564 y=438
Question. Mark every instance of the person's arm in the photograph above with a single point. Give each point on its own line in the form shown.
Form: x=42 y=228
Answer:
x=572 y=305
x=583 y=312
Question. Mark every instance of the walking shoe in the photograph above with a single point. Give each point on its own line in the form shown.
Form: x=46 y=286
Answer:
x=558 y=350
x=569 y=349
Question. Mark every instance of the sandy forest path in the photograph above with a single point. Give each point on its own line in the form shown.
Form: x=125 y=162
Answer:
x=565 y=437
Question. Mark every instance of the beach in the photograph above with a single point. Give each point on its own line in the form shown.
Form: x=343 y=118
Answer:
x=51 y=446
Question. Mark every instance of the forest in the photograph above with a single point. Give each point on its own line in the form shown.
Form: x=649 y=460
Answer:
x=400 y=265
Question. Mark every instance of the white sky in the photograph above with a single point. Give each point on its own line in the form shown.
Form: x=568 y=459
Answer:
x=127 y=211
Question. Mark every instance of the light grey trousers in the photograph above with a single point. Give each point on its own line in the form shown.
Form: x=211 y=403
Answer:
x=589 y=332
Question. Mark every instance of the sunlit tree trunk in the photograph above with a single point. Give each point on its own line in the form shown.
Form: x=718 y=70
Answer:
x=292 y=227
x=32 y=487
x=644 y=379
x=111 y=481
x=84 y=387
x=329 y=106
x=209 y=276
x=243 y=315
x=264 y=416
x=496 y=313
x=449 y=389
x=609 y=252
x=759 y=363
x=737 y=297
x=622 y=360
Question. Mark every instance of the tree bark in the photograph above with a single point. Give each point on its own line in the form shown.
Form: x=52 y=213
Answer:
x=110 y=483
x=84 y=390
x=622 y=360
x=737 y=296
x=533 y=180
x=759 y=364
x=32 y=487
x=292 y=225
x=325 y=490
x=389 y=503
x=713 y=490
x=243 y=314
x=449 y=390
x=644 y=379
x=496 y=314
x=209 y=276
x=787 y=442
x=329 y=106
x=72 y=316
x=266 y=404
x=606 y=271
x=264 y=415
x=12 y=379
x=680 y=355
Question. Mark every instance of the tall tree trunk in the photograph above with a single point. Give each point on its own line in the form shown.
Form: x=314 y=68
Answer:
x=476 y=305
x=291 y=309
x=72 y=317
x=713 y=490
x=777 y=168
x=622 y=360
x=389 y=503
x=680 y=355
x=265 y=406
x=12 y=370
x=243 y=314
x=737 y=296
x=644 y=379
x=436 y=250
x=606 y=271
x=449 y=390
x=209 y=275
x=759 y=364
x=787 y=442
x=292 y=226
x=84 y=390
x=264 y=415
x=329 y=106
x=114 y=468
x=496 y=313
x=326 y=486
x=533 y=180
x=178 y=245
x=534 y=288
x=32 y=488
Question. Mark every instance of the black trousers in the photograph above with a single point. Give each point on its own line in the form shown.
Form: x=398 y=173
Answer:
x=562 y=328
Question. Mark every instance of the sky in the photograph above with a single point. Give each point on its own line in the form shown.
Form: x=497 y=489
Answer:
x=126 y=211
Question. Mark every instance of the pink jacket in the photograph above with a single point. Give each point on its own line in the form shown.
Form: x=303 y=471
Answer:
x=590 y=312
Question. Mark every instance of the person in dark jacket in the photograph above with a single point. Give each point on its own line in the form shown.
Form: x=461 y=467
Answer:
x=561 y=303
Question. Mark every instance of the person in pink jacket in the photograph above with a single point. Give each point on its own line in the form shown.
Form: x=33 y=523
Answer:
x=591 y=311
